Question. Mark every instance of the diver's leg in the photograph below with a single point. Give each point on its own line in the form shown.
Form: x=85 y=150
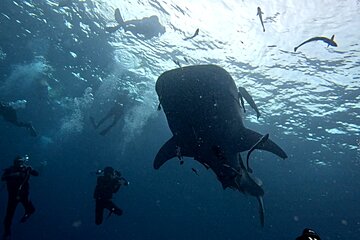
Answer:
x=28 y=206
x=113 y=208
x=28 y=126
x=108 y=115
x=93 y=123
x=10 y=115
x=99 y=211
x=106 y=130
x=10 y=210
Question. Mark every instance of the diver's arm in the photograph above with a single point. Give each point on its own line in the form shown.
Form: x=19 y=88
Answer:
x=8 y=174
x=33 y=172
x=124 y=181
x=116 y=186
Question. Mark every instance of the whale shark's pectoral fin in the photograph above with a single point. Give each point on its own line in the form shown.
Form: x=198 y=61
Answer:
x=249 y=138
x=166 y=152
x=170 y=150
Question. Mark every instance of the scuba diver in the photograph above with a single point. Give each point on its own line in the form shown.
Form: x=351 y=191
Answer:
x=244 y=94
x=309 y=234
x=9 y=115
x=108 y=183
x=145 y=28
x=17 y=182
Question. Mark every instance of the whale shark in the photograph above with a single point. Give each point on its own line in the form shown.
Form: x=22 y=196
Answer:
x=203 y=112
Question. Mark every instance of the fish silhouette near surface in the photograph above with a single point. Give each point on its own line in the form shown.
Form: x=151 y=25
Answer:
x=260 y=13
x=203 y=112
x=195 y=34
x=329 y=41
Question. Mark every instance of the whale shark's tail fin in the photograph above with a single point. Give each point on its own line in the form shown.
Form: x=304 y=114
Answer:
x=249 y=138
x=261 y=210
x=249 y=184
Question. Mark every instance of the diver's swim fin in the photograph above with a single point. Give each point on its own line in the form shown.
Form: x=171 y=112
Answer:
x=118 y=17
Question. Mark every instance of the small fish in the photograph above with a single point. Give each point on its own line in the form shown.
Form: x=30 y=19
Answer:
x=195 y=171
x=186 y=60
x=259 y=12
x=195 y=34
x=330 y=42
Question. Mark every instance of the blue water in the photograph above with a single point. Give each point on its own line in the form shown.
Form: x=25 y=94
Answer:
x=66 y=67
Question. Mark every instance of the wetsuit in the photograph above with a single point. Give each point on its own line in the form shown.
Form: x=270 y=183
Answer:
x=9 y=114
x=106 y=186
x=17 y=181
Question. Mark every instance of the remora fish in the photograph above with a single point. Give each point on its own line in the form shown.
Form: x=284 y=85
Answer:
x=330 y=42
x=195 y=34
x=259 y=12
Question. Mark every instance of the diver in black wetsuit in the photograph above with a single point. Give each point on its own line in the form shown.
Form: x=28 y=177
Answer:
x=17 y=182
x=9 y=115
x=146 y=28
x=107 y=184
x=309 y=234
